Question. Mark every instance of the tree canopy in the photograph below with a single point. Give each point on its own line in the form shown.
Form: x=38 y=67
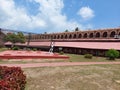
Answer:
x=76 y=29
x=15 y=38
x=112 y=54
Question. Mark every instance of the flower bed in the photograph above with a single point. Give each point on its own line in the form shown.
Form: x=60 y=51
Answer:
x=12 y=78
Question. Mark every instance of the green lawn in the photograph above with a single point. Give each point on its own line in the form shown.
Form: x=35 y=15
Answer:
x=80 y=58
x=3 y=49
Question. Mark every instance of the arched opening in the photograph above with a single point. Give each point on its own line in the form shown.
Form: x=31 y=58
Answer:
x=112 y=34
x=51 y=37
x=55 y=37
x=85 y=35
x=91 y=35
x=44 y=37
x=58 y=37
x=65 y=36
x=70 y=36
x=97 y=35
x=105 y=34
x=74 y=36
x=61 y=36
x=40 y=37
x=48 y=37
x=80 y=35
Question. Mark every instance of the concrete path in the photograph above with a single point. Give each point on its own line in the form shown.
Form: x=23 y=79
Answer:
x=57 y=64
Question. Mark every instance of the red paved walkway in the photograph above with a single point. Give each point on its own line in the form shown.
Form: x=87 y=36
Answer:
x=57 y=64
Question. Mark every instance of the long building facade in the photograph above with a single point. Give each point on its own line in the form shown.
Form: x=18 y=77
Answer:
x=90 y=34
x=95 y=42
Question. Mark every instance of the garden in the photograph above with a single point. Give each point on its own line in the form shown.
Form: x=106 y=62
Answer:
x=96 y=77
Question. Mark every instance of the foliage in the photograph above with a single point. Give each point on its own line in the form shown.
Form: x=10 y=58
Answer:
x=15 y=48
x=34 y=49
x=12 y=78
x=61 y=52
x=89 y=56
x=76 y=29
x=15 y=38
x=12 y=37
x=66 y=30
x=21 y=37
x=112 y=54
x=45 y=32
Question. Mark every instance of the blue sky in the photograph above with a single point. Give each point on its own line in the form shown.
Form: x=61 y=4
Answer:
x=50 y=16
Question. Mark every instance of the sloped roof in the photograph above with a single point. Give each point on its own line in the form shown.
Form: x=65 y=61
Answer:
x=89 y=45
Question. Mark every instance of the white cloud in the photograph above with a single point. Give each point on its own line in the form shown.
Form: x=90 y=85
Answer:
x=86 y=13
x=49 y=17
x=14 y=17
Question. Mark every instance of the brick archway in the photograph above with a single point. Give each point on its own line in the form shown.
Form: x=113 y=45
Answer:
x=55 y=37
x=112 y=34
x=91 y=35
x=58 y=37
x=97 y=35
x=62 y=36
x=66 y=36
x=85 y=35
x=80 y=35
x=70 y=36
x=74 y=36
x=105 y=34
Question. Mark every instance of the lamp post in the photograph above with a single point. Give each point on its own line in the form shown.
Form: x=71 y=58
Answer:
x=29 y=37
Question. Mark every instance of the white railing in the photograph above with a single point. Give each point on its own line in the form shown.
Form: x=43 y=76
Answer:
x=117 y=37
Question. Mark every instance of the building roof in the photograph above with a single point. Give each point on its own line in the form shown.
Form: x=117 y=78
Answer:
x=91 y=45
x=87 y=45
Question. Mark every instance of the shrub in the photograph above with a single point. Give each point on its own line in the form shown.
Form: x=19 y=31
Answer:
x=112 y=54
x=15 y=48
x=12 y=78
x=34 y=49
x=89 y=56
x=61 y=52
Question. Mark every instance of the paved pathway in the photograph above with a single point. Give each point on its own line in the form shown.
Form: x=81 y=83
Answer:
x=56 y=64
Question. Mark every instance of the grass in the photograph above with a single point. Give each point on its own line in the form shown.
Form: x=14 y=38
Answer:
x=3 y=49
x=23 y=61
x=93 y=77
x=80 y=58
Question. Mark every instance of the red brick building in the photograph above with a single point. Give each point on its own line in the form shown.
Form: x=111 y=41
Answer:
x=95 y=42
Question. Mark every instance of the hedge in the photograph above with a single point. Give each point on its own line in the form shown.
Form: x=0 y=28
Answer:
x=12 y=78
x=89 y=56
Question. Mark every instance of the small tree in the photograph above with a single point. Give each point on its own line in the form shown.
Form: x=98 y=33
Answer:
x=14 y=38
x=45 y=32
x=112 y=54
x=21 y=37
x=76 y=29
x=66 y=30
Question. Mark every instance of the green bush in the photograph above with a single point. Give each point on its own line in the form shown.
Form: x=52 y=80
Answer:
x=34 y=49
x=15 y=48
x=89 y=56
x=61 y=52
x=112 y=54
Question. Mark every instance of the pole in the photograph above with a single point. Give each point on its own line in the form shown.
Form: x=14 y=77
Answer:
x=29 y=37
